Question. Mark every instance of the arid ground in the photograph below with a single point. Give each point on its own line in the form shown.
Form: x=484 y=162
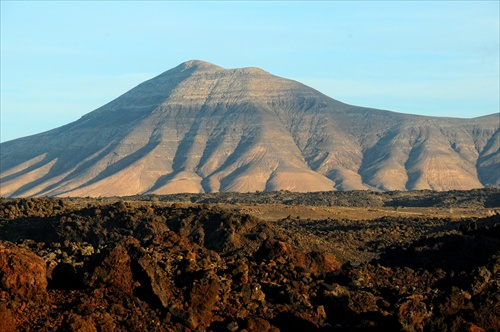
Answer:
x=269 y=261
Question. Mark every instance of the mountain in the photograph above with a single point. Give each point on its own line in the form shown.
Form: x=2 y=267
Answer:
x=202 y=128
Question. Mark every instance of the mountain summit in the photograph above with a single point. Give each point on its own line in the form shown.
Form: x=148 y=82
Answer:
x=202 y=128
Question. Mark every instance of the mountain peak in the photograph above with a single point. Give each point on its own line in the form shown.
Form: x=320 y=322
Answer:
x=202 y=128
x=203 y=66
x=199 y=65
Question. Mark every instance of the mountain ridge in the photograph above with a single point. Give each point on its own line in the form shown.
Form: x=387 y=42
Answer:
x=201 y=128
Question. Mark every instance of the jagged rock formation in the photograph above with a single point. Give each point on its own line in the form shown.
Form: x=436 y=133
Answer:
x=202 y=128
x=81 y=265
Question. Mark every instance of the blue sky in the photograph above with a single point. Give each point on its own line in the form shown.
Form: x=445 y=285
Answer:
x=63 y=59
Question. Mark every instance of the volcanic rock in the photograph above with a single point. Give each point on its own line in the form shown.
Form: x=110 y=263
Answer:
x=23 y=274
x=149 y=271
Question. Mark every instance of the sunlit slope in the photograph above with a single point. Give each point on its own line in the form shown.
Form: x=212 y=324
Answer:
x=202 y=128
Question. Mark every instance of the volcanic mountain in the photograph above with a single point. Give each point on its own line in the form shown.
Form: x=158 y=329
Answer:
x=202 y=128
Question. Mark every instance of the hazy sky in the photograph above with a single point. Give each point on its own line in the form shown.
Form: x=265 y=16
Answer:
x=62 y=59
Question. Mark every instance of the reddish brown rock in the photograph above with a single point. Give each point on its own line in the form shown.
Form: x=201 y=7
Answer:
x=154 y=279
x=317 y=317
x=473 y=328
x=455 y=301
x=321 y=262
x=22 y=274
x=256 y=324
x=283 y=252
x=7 y=322
x=360 y=302
x=412 y=313
x=115 y=271
x=76 y=323
x=203 y=297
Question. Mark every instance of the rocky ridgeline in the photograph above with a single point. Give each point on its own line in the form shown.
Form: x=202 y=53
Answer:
x=151 y=267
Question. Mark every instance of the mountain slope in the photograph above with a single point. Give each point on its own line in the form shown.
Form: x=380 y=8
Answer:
x=202 y=128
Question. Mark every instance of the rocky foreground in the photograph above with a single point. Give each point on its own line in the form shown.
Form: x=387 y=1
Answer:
x=69 y=265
